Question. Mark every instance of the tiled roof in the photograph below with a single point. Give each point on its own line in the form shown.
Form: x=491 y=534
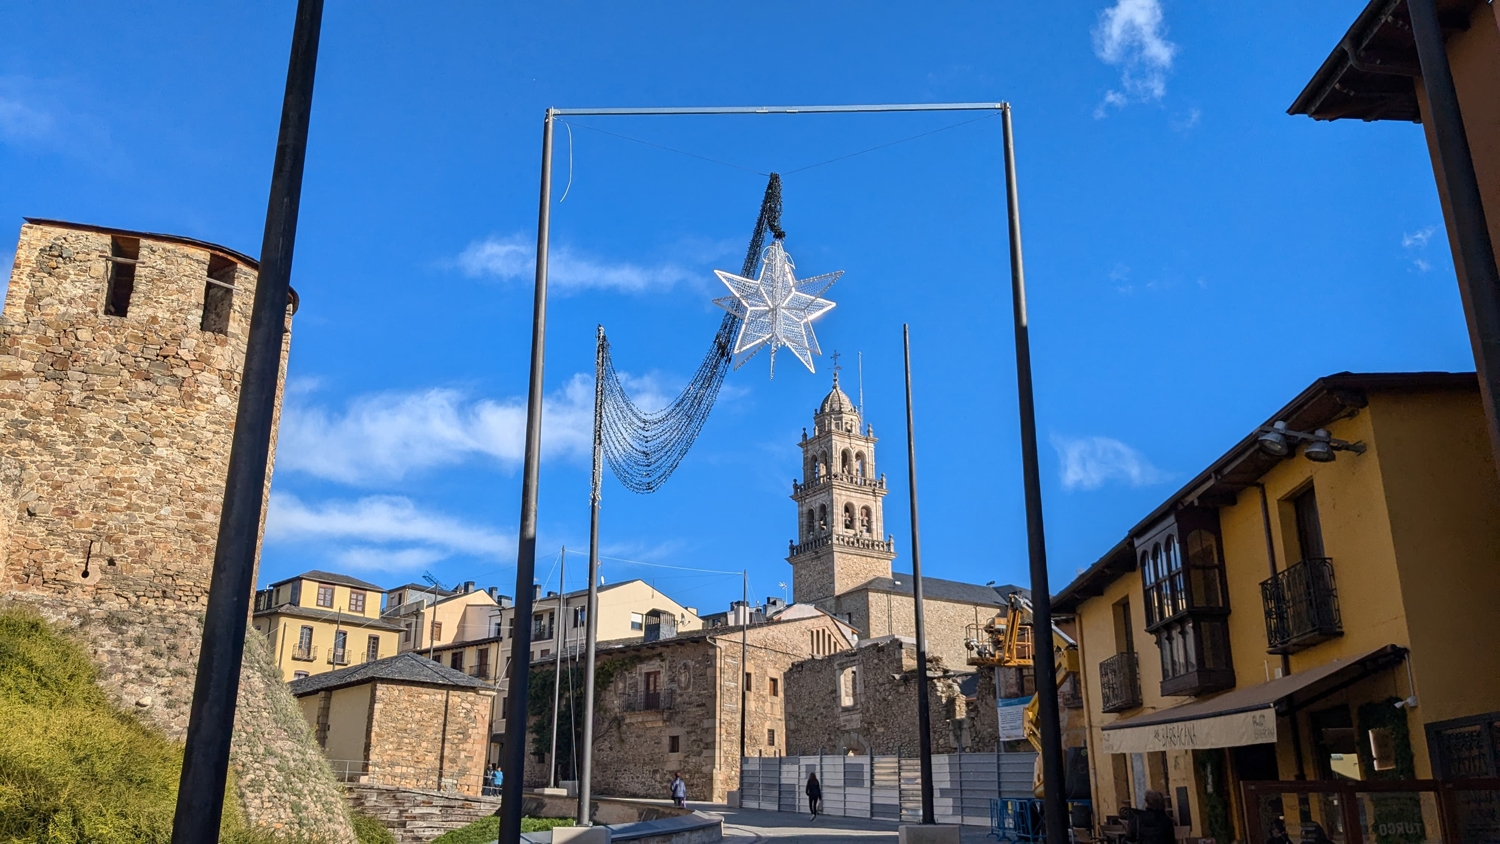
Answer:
x=409 y=667
x=938 y=589
x=333 y=577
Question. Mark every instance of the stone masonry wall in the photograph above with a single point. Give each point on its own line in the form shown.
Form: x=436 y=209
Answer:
x=284 y=782
x=415 y=816
x=879 y=614
x=429 y=737
x=883 y=717
x=115 y=447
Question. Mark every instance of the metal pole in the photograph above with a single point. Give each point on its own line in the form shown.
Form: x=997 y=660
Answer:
x=586 y=759
x=924 y=707
x=744 y=656
x=562 y=568
x=1044 y=662
x=205 y=763
x=812 y=109
x=514 y=760
x=1478 y=278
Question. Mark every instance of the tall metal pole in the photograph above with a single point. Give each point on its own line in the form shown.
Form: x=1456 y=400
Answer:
x=924 y=707
x=514 y=760
x=1044 y=662
x=205 y=763
x=1478 y=278
x=744 y=656
x=586 y=758
x=562 y=605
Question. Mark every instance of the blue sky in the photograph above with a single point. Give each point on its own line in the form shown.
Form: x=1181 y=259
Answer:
x=1194 y=255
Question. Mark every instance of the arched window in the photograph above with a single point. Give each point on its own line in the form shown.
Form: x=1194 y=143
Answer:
x=822 y=517
x=812 y=523
x=848 y=517
x=859 y=465
x=844 y=465
x=865 y=524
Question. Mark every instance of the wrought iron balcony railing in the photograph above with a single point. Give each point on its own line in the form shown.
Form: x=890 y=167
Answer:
x=338 y=656
x=651 y=702
x=1302 y=606
x=480 y=672
x=1120 y=682
x=305 y=653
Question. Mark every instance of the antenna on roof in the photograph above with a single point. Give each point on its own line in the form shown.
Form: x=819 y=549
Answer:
x=434 y=582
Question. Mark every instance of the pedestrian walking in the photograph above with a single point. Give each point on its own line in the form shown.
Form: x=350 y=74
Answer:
x=814 y=794
x=679 y=790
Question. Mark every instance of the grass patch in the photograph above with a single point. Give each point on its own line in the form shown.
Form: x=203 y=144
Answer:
x=485 y=830
x=73 y=768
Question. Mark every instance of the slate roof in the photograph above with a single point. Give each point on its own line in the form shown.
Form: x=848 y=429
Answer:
x=409 y=667
x=938 y=589
x=332 y=577
x=346 y=619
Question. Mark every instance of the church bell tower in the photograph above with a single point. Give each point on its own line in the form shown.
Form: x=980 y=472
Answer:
x=841 y=542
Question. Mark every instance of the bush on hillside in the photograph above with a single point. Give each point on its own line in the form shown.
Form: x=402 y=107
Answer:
x=73 y=768
x=371 y=831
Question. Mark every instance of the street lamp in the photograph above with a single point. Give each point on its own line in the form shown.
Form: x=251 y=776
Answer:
x=1278 y=440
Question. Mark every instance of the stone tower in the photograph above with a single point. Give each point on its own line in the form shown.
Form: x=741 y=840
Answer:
x=841 y=542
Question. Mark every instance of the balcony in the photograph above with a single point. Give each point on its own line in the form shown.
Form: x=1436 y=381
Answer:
x=1120 y=682
x=857 y=541
x=1302 y=606
x=305 y=653
x=659 y=701
x=851 y=478
x=338 y=656
x=480 y=671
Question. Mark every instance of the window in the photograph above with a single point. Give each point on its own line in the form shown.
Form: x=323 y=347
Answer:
x=865 y=522
x=504 y=708
x=1309 y=527
x=749 y=682
x=822 y=517
x=844 y=463
x=652 y=691
x=580 y=617
x=340 y=655
x=325 y=596
x=771 y=737
x=775 y=687
x=541 y=626
x=218 y=295
x=848 y=686
x=456 y=661
x=859 y=465
x=296 y=593
x=1124 y=630
x=482 y=664
x=674 y=744
x=437 y=631
x=545 y=652
x=357 y=602
x=637 y=621
x=299 y=675
x=372 y=649
x=438 y=658
x=406 y=634
x=124 y=252
x=304 y=644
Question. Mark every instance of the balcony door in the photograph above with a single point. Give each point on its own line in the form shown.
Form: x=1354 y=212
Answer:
x=652 y=692
x=1309 y=528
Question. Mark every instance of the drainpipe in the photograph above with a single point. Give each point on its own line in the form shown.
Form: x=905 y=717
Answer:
x=1265 y=521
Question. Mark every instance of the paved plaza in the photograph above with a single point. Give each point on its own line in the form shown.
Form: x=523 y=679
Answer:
x=746 y=826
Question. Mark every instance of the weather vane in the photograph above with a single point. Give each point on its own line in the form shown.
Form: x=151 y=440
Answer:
x=775 y=309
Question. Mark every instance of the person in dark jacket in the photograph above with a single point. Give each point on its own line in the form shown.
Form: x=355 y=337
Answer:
x=1151 y=825
x=814 y=795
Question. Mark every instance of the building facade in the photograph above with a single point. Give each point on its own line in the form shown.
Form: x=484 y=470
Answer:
x=1282 y=618
x=320 y=621
x=674 y=704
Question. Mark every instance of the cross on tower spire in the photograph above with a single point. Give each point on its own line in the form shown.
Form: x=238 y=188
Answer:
x=835 y=358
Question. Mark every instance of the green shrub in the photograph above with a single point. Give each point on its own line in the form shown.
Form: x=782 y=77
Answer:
x=370 y=831
x=485 y=830
x=73 y=769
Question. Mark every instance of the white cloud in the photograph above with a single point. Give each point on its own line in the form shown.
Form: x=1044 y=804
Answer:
x=35 y=114
x=1415 y=244
x=380 y=532
x=385 y=436
x=513 y=258
x=1130 y=35
x=1091 y=462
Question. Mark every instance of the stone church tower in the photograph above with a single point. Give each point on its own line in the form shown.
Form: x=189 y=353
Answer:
x=841 y=541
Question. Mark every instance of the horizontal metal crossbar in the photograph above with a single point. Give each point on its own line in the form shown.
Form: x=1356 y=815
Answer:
x=813 y=109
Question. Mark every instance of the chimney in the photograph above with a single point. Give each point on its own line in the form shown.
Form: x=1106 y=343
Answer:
x=504 y=601
x=494 y=593
x=536 y=591
x=551 y=594
x=468 y=586
x=691 y=610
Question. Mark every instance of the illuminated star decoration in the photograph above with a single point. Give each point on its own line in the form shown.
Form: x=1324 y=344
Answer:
x=775 y=309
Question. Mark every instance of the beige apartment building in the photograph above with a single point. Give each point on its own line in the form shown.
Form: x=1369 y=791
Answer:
x=320 y=621
x=432 y=617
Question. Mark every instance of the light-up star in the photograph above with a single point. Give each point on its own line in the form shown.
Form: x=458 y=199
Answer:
x=776 y=309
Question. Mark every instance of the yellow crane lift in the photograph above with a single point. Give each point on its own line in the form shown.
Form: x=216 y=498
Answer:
x=1007 y=641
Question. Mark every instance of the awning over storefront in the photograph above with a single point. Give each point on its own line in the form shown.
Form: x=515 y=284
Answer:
x=1245 y=715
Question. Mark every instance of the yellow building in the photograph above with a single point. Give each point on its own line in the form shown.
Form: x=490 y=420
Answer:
x=430 y=616
x=1320 y=603
x=319 y=621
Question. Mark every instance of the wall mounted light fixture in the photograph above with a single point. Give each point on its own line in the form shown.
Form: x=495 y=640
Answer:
x=1321 y=447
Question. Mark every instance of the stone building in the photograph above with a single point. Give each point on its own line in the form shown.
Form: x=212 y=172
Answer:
x=120 y=362
x=674 y=704
x=321 y=621
x=841 y=559
x=863 y=701
x=403 y=721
